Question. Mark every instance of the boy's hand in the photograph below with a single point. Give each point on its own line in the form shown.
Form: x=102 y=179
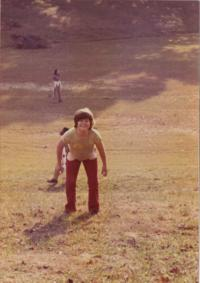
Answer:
x=59 y=168
x=104 y=171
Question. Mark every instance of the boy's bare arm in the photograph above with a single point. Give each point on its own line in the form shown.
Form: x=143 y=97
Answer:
x=102 y=154
x=59 y=151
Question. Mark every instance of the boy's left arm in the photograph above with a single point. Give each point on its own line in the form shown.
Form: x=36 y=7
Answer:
x=102 y=154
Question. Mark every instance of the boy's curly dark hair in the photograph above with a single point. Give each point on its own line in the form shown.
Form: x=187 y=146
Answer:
x=64 y=130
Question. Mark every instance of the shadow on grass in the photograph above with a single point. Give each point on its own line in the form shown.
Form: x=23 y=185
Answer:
x=56 y=188
x=152 y=47
x=93 y=20
x=131 y=71
x=58 y=225
x=82 y=218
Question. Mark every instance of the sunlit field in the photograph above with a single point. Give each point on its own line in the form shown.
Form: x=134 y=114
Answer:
x=144 y=95
x=146 y=230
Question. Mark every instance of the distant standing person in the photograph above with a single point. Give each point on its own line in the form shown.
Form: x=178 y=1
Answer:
x=57 y=85
x=82 y=141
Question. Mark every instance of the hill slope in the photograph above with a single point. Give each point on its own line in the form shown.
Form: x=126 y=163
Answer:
x=144 y=93
x=58 y=21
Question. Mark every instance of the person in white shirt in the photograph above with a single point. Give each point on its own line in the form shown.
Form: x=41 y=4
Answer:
x=57 y=85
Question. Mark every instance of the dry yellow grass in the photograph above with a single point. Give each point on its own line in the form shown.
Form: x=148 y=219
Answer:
x=145 y=98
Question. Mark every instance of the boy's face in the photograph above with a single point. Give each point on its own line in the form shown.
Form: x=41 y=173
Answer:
x=83 y=124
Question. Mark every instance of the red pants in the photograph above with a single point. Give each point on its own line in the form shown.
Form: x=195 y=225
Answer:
x=72 y=170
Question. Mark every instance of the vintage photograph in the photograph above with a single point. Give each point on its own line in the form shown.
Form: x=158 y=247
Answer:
x=99 y=140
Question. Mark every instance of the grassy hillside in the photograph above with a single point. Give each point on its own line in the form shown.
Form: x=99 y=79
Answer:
x=83 y=20
x=144 y=94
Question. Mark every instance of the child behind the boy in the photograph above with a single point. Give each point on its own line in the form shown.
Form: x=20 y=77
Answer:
x=57 y=172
